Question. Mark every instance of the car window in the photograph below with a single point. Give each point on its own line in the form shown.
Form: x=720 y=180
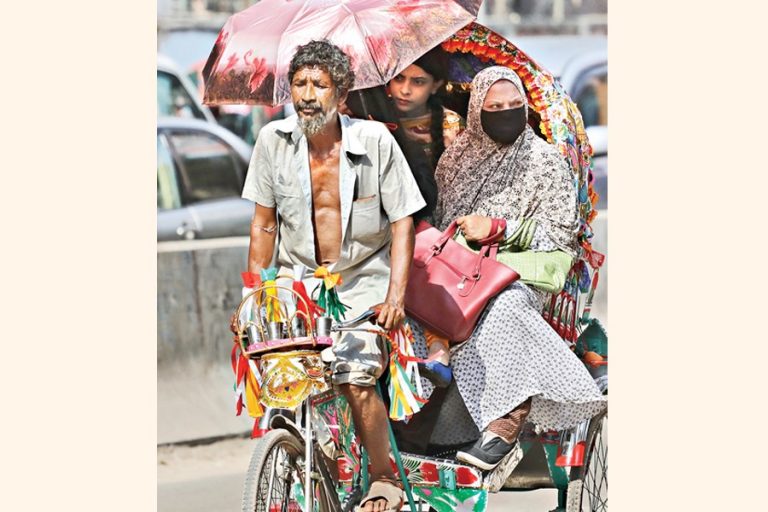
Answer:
x=168 y=196
x=173 y=99
x=592 y=98
x=208 y=167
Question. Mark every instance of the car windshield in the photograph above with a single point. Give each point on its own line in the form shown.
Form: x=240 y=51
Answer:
x=207 y=166
x=167 y=184
x=592 y=98
x=173 y=100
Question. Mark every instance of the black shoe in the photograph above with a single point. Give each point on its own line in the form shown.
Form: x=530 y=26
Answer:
x=438 y=373
x=486 y=453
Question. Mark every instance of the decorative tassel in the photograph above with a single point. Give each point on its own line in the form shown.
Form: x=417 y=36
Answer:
x=268 y=278
x=306 y=313
x=250 y=280
x=247 y=384
x=404 y=381
x=328 y=295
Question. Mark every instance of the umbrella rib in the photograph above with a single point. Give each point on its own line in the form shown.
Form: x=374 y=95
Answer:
x=280 y=47
x=362 y=34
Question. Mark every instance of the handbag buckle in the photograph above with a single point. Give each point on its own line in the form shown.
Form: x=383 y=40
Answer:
x=462 y=283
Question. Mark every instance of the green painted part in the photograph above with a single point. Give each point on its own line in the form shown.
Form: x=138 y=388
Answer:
x=559 y=475
x=562 y=497
x=398 y=460
x=297 y=492
x=445 y=500
x=364 y=468
x=526 y=446
x=447 y=479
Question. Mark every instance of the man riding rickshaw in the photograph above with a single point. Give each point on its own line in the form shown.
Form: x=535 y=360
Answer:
x=338 y=196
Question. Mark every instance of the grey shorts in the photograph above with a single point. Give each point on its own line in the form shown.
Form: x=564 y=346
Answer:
x=360 y=358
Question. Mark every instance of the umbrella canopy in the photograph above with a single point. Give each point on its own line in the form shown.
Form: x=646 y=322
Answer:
x=249 y=61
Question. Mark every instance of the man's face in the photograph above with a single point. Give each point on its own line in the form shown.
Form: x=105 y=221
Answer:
x=315 y=98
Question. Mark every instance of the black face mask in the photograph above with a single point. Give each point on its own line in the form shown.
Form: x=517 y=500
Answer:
x=503 y=126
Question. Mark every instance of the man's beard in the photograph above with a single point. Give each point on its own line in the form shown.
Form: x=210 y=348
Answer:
x=313 y=125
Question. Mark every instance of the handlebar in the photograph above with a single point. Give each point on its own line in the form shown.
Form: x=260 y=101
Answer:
x=355 y=322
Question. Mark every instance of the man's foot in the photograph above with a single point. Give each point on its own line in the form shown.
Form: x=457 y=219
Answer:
x=384 y=495
x=486 y=453
x=438 y=373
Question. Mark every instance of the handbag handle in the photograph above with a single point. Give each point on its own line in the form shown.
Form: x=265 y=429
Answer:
x=486 y=242
x=447 y=234
x=486 y=251
x=495 y=233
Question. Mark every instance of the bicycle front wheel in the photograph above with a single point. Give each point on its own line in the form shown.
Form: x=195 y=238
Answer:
x=276 y=468
x=588 y=488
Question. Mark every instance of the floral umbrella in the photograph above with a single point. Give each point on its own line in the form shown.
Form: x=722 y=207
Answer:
x=249 y=61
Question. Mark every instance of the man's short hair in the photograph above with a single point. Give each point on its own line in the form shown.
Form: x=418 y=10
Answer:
x=328 y=57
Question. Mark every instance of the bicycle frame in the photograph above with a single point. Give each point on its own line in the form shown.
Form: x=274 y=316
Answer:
x=443 y=484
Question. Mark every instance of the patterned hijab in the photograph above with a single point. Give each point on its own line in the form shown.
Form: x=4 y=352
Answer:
x=526 y=179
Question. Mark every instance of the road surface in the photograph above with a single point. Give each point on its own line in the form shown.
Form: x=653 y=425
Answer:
x=210 y=478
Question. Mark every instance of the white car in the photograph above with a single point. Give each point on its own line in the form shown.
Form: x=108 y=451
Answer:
x=580 y=63
x=176 y=96
x=200 y=174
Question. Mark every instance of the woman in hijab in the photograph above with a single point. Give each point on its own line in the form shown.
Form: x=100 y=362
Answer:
x=514 y=367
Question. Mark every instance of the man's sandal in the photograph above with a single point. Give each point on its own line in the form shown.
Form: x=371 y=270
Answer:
x=385 y=489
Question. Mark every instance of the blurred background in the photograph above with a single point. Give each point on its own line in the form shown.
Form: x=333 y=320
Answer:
x=202 y=227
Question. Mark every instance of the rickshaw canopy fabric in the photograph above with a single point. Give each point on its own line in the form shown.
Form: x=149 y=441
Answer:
x=476 y=47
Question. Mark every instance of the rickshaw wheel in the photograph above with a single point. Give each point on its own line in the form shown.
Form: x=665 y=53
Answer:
x=274 y=468
x=588 y=486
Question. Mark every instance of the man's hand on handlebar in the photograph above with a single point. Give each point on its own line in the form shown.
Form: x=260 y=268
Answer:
x=389 y=314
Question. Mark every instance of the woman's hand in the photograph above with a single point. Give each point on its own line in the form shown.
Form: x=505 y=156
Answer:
x=474 y=227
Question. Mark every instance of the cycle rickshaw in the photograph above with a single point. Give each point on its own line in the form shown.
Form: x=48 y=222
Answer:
x=310 y=459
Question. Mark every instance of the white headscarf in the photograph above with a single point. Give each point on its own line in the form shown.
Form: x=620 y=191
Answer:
x=526 y=179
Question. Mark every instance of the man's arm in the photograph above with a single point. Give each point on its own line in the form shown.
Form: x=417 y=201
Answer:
x=392 y=311
x=263 y=235
x=262 y=246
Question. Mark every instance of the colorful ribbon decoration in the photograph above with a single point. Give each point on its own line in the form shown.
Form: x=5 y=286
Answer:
x=404 y=381
x=250 y=280
x=247 y=385
x=268 y=278
x=328 y=295
x=306 y=310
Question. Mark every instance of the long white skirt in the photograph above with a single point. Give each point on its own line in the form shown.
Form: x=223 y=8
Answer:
x=513 y=354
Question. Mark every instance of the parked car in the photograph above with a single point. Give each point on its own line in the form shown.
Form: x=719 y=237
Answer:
x=580 y=63
x=176 y=95
x=201 y=170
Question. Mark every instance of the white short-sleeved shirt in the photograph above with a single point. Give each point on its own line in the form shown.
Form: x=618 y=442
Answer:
x=376 y=188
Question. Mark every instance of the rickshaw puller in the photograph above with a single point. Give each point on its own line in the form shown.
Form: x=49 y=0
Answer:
x=345 y=196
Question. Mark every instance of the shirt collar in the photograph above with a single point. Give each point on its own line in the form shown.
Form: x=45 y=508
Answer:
x=349 y=140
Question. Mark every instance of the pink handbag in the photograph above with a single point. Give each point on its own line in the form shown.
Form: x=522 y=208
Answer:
x=449 y=285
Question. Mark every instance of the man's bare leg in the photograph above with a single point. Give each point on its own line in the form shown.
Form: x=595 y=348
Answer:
x=370 y=417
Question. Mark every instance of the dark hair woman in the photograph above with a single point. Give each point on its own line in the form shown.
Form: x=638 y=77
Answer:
x=374 y=104
x=417 y=93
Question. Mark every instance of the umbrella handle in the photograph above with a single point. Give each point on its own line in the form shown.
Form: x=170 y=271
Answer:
x=362 y=101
